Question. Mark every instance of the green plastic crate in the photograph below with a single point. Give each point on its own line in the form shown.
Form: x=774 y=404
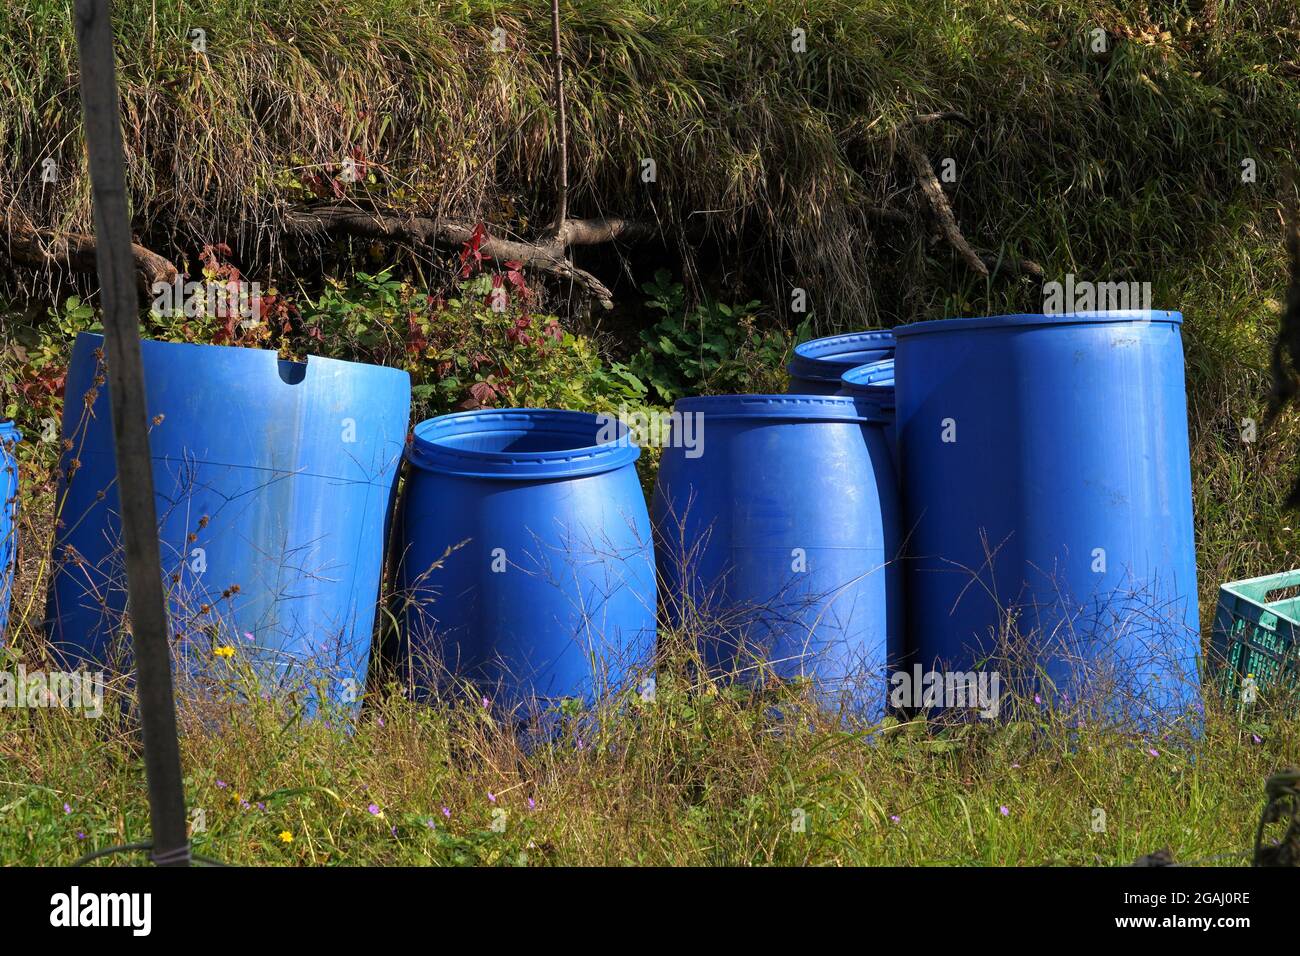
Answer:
x=1255 y=636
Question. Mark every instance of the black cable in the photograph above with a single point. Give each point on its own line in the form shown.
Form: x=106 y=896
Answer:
x=109 y=851
x=141 y=847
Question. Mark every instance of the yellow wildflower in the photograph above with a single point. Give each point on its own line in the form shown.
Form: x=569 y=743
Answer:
x=286 y=836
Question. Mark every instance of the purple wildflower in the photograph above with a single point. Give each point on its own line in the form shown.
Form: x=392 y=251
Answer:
x=1004 y=811
x=446 y=812
x=373 y=809
x=66 y=809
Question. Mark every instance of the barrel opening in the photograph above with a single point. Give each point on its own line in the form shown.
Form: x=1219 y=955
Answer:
x=519 y=442
x=292 y=373
x=531 y=441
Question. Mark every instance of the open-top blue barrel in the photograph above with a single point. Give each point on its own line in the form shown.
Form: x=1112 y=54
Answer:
x=274 y=482
x=526 y=562
x=816 y=366
x=1048 y=506
x=874 y=383
x=777 y=538
x=9 y=436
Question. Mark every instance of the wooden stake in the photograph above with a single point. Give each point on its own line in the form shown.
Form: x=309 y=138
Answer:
x=115 y=260
x=562 y=131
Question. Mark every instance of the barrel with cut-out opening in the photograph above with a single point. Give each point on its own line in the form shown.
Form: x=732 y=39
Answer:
x=525 y=564
x=9 y=436
x=816 y=366
x=1048 y=505
x=273 y=481
x=777 y=537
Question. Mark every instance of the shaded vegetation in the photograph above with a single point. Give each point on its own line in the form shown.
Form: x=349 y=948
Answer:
x=1089 y=162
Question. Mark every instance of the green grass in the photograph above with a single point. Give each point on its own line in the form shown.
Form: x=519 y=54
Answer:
x=699 y=778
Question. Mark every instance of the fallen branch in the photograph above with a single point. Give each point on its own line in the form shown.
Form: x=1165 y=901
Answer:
x=894 y=217
x=590 y=232
x=546 y=256
x=45 y=249
x=947 y=116
x=1012 y=267
x=940 y=209
x=27 y=245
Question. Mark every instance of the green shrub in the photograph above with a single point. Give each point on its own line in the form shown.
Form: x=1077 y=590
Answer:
x=711 y=348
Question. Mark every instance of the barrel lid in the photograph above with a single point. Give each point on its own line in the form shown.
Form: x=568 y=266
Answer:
x=825 y=359
x=522 y=444
x=808 y=408
x=1133 y=316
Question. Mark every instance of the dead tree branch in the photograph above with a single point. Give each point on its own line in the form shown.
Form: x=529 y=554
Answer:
x=947 y=116
x=45 y=249
x=1012 y=267
x=940 y=210
x=546 y=257
x=25 y=244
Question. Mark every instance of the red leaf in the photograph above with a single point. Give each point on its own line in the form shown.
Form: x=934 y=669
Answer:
x=482 y=392
x=469 y=252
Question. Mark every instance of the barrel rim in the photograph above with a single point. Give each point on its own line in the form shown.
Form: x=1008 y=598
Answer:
x=871 y=374
x=9 y=430
x=789 y=407
x=427 y=453
x=816 y=358
x=317 y=360
x=1029 y=319
x=873 y=383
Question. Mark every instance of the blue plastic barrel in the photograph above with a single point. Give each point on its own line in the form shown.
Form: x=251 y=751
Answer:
x=874 y=383
x=9 y=436
x=778 y=538
x=274 y=482
x=1048 y=505
x=526 y=563
x=816 y=366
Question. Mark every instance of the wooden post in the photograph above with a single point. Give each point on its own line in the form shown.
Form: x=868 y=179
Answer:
x=113 y=256
x=562 y=130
